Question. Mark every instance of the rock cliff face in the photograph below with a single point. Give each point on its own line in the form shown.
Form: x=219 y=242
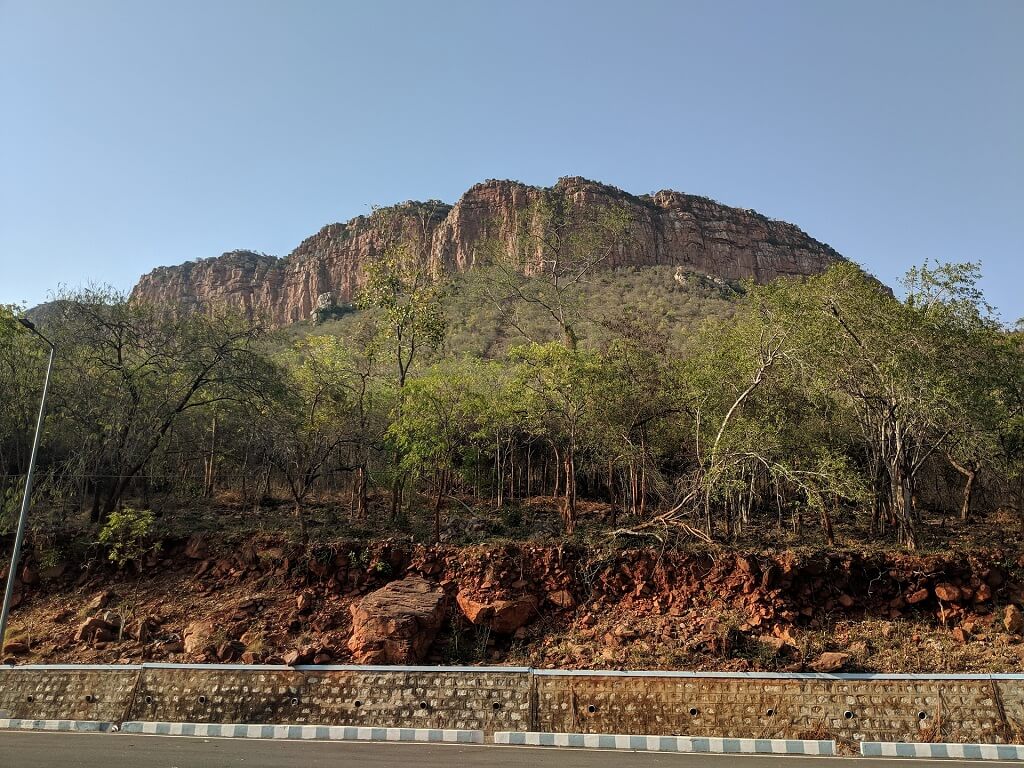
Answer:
x=667 y=228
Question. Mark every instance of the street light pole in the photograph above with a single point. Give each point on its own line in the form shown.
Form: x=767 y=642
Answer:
x=19 y=537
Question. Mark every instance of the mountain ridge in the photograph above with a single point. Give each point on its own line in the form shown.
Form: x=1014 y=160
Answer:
x=671 y=228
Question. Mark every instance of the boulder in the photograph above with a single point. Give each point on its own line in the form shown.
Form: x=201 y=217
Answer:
x=196 y=548
x=298 y=656
x=143 y=629
x=502 y=616
x=16 y=647
x=397 y=623
x=830 y=661
x=949 y=593
x=917 y=596
x=1013 y=620
x=101 y=601
x=199 y=637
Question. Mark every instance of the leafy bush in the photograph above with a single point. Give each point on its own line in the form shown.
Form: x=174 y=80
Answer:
x=128 y=533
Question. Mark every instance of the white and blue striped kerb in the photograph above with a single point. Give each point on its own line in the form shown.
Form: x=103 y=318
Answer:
x=57 y=725
x=666 y=743
x=317 y=732
x=959 y=751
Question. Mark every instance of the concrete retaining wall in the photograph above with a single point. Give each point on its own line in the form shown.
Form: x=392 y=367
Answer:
x=481 y=698
x=844 y=707
x=849 y=708
x=72 y=692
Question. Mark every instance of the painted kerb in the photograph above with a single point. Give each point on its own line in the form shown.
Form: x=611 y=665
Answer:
x=80 y=726
x=669 y=743
x=957 y=751
x=318 y=732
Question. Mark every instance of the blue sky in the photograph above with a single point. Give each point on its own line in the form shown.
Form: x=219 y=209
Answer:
x=135 y=134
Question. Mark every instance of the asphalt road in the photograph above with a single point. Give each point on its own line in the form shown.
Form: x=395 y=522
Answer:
x=71 y=750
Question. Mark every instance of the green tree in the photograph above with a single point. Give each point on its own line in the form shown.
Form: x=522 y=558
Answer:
x=443 y=411
x=309 y=415
x=22 y=366
x=544 y=263
x=129 y=372
x=558 y=386
x=409 y=315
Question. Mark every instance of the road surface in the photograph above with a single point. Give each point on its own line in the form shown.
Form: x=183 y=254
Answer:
x=118 y=750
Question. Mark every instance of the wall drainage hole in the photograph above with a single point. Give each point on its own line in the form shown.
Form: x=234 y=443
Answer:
x=591 y=708
x=89 y=698
x=922 y=715
x=423 y=705
x=358 y=702
x=848 y=715
x=202 y=699
x=149 y=699
x=694 y=711
x=770 y=713
x=30 y=699
x=295 y=702
x=496 y=706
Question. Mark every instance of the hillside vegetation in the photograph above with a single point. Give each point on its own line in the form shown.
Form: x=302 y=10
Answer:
x=638 y=405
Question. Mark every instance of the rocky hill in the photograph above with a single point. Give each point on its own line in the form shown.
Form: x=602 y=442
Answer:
x=667 y=228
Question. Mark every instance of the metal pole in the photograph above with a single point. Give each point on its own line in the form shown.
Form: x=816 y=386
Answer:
x=20 y=535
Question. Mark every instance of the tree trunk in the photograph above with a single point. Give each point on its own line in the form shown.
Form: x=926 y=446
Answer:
x=826 y=526
x=211 y=462
x=969 y=472
x=442 y=482
x=569 y=503
x=300 y=516
x=361 y=492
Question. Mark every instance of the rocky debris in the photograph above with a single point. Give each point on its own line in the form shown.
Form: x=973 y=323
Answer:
x=29 y=576
x=197 y=548
x=144 y=629
x=501 y=616
x=732 y=611
x=672 y=229
x=53 y=572
x=1013 y=620
x=100 y=601
x=397 y=623
x=308 y=654
x=95 y=630
x=562 y=598
x=830 y=661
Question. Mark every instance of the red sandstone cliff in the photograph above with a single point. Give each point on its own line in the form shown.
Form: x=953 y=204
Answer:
x=667 y=228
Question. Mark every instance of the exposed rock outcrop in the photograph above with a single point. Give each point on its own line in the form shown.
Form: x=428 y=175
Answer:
x=327 y=269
